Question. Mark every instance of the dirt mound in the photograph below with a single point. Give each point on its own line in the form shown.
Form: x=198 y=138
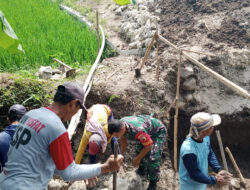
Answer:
x=221 y=21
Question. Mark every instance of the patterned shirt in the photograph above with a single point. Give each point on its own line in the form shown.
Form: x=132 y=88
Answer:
x=143 y=128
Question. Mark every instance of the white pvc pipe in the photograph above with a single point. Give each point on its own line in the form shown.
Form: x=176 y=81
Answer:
x=75 y=120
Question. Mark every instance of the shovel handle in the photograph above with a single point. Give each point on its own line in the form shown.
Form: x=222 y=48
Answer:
x=115 y=173
x=242 y=180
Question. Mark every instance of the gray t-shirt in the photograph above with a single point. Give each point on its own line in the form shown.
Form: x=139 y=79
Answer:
x=40 y=147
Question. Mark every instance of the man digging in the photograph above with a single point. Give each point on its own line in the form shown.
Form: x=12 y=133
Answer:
x=151 y=133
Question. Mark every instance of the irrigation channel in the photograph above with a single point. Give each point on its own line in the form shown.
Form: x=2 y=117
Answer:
x=229 y=137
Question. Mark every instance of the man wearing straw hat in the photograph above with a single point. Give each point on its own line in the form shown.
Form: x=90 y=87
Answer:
x=196 y=154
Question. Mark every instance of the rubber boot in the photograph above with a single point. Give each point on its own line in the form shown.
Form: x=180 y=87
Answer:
x=152 y=185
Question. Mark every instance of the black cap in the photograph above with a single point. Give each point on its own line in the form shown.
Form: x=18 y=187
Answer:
x=72 y=90
x=16 y=110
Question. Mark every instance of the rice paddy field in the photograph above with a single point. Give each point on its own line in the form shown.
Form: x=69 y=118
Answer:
x=45 y=32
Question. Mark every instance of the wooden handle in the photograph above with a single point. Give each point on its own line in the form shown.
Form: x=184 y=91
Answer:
x=115 y=173
x=62 y=63
x=242 y=180
x=221 y=150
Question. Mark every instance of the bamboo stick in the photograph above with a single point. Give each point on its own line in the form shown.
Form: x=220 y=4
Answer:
x=172 y=104
x=115 y=173
x=224 y=161
x=242 y=180
x=176 y=114
x=157 y=52
x=222 y=79
x=148 y=51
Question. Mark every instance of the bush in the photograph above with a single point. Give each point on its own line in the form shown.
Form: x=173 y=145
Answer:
x=19 y=90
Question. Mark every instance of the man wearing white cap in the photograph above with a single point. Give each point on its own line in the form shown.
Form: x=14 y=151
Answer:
x=196 y=154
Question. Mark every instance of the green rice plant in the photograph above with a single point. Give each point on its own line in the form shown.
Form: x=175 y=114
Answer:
x=46 y=32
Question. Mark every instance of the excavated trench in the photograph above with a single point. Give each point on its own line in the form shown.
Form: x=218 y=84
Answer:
x=235 y=135
x=234 y=129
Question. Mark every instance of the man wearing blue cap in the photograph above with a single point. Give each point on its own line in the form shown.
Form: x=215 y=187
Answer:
x=41 y=147
x=14 y=115
x=196 y=154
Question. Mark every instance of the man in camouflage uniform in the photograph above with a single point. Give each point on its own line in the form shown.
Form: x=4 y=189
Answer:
x=152 y=134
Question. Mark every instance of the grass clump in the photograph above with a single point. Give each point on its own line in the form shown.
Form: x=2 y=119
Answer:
x=46 y=32
x=16 y=89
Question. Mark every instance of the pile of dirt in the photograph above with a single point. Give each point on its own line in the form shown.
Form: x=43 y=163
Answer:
x=221 y=21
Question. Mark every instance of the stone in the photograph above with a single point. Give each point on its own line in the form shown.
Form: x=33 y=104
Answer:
x=57 y=184
x=127 y=181
x=132 y=45
x=45 y=72
x=189 y=84
x=186 y=72
x=56 y=71
x=142 y=7
x=118 y=12
x=56 y=77
x=189 y=97
x=148 y=24
x=78 y=185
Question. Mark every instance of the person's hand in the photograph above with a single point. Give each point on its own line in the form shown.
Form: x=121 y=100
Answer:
x=91 y=182
x=223 y=178
x=225 y=173
x=112 y=164
x=136 y=162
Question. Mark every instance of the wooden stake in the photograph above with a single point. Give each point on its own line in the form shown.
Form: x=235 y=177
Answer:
x=157 y=51
x=115 y=173
x=97 y=30
x=176 y=114
x=224 y=161
x=242 y=180
x=148 y=51
x=172 y=104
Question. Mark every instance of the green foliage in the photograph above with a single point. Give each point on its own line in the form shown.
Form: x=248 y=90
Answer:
x=112 y=97
x=46 y=32
x=20 y=90
x=108 y=52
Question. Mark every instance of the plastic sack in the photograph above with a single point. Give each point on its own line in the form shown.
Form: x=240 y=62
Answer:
x=125 y=2
x=8 y=38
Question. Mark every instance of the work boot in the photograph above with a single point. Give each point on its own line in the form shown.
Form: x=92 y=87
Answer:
x=141 y=171
x=152 y=185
